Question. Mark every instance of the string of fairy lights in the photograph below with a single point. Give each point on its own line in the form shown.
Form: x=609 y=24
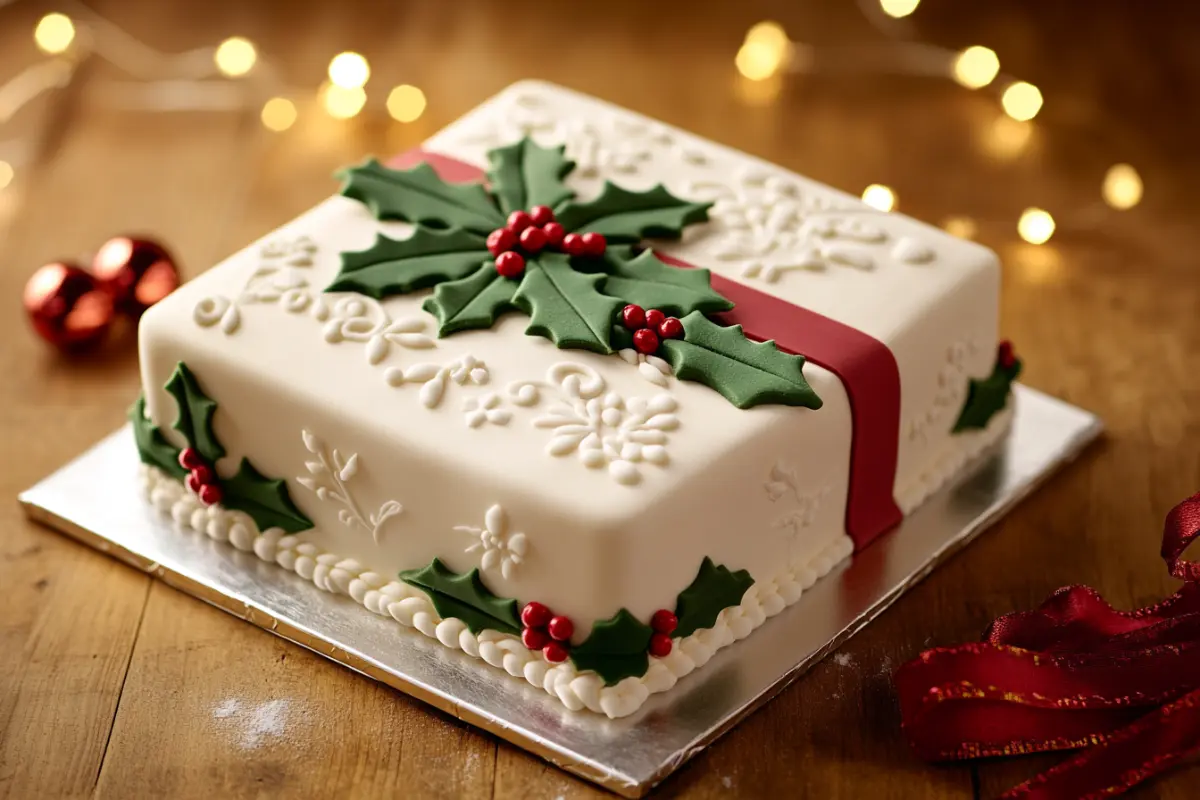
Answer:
x=234 y=76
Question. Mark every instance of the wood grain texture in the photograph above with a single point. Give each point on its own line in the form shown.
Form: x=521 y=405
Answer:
x=115 y=686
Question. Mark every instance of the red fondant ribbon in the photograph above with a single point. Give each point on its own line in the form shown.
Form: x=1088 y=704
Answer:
x=1075 y=673
x=865 y=366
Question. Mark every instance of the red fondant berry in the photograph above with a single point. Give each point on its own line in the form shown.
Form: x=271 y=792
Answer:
x=203 y=474
x=510 y=264
x=535 y=615
x=1005 y=355
x=645 y=341
x=573 y=245
x=533 y=240
x=561 y=628
x=670 y=328
x=519 y=221
x=190 y=458
x=633 y=317
x=554 y=234
x=534 y=638
x=193 y=482
x=594 y=245
x=660 y=645
x=500 y=240
x=210 y=494
x=664 y=622
x=541 y=215
x=555 y=653
x=654 y=318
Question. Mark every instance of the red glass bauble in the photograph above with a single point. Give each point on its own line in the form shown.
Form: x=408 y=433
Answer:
x=136 y=272
x=645 y=341
x=67 y=306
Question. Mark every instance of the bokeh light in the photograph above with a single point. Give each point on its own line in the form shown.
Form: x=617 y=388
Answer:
x=899 y=8
x=1122 y=187
x=341 y=102
x=962 y=227
x=976 y=67
x=1022 y=101
x=349 y=71
x=54 y=33
x=406 y=103
x=758 y=61
x=278 y=114
x=879 y=196
x=235 y=56
x=6 y=174
x=1036 y=226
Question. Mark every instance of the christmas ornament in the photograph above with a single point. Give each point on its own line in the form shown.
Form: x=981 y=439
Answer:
x=137 y=273
x=68 y=307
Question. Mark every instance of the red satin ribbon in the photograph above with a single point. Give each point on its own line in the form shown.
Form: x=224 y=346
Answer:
x=1075 y=673
x=865 y=366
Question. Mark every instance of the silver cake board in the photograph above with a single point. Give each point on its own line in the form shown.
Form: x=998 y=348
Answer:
x=97 y=500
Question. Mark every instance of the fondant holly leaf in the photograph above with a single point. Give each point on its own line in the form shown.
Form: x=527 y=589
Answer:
x=418 y=195
x=398 y=266
x=648 y=282
x=987 y=397
x=266 y=501
x=747 y=373
x=153 y=448
x=196 y=411
x=625 y=216
x=714 y=589
x=566 y=306
x=524 y=175
x=616 y=648
x=463 y=596
x=471 y=302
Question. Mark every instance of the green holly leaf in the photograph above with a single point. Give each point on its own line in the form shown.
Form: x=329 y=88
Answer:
x=525 y=175
x=418 y=195
x=625 y=216
x=463 y=596
x=471 y=302
x=398 y=266
x=566 y=306
x=747 y=373
x=616 y=648
x=153 y=448
x=266 y=501
x=196 y=411
x=648 y=282
x=713 y=590
x=987 y=397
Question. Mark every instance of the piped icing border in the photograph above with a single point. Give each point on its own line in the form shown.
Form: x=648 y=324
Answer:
x=412 y=608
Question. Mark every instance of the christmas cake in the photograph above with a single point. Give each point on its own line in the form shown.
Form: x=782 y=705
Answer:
x=573 y=392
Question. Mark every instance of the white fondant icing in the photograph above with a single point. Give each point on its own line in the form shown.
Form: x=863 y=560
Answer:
x=502 y=550
x=799 y=506
x=327 y=477
x=650 y=367
x=911 y=251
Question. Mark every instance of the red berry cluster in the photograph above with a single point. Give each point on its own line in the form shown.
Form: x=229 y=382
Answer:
x=201 y=479
x=650 y=327
x=664 y=624
x=532 y=232
x=1006 y=357
x=546 y=631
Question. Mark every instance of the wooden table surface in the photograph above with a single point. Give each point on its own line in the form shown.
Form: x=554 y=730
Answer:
x=112 y=684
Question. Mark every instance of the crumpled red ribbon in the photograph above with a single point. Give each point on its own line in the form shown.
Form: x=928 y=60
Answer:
x=1075 y=673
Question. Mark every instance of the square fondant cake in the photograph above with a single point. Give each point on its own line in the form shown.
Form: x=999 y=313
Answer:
x=572 y=391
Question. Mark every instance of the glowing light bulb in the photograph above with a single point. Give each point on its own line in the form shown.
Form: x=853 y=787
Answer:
x=235 y=56
x=54 y=33
x=406 y=103
x=879 y=196
x=349 y=71
x=1122 y=187
x=1022 y=101
x=6 y=174
x=758 y=60
x=342 y=103
x=976 y=67
x=899 y=8
x=1035 y=226
x=962 y=227
x=278 y=114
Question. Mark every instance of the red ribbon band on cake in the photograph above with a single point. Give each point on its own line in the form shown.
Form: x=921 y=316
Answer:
x=865 y=366
x=1075 y=673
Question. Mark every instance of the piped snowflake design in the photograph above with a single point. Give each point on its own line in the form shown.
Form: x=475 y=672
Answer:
x=328 y=476
x=783 y=486
x=952 y=385
x=502 y=550
x=651 y=367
